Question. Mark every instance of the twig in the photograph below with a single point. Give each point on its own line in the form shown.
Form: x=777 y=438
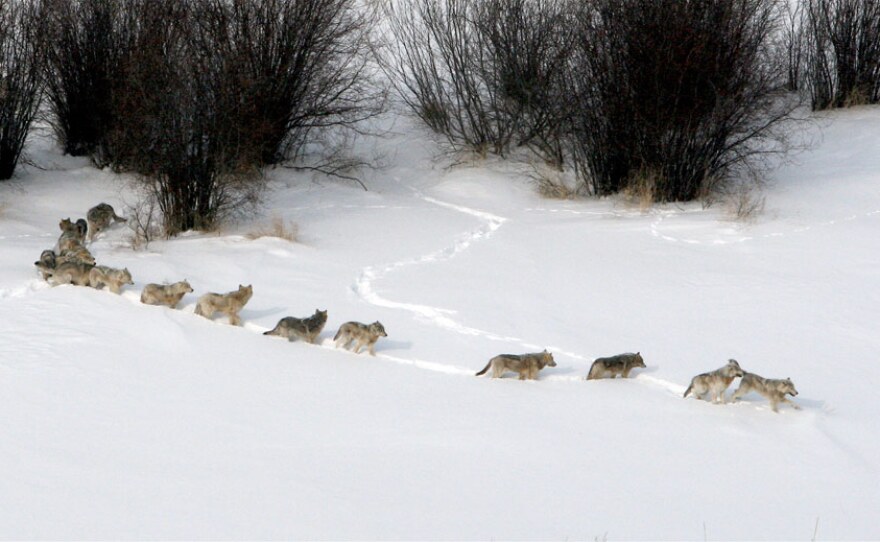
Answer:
x=330 y=172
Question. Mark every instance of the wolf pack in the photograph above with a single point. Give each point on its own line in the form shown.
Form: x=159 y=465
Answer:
x=70 y=262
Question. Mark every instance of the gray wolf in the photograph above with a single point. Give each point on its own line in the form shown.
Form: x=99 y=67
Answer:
x=229 y=303
x=527 y=365
x=46 y=263
x=360 y=334
x=306 y=329
x=99 y=217
x=114 y=278
x=71 y=273
x=165 y=294
x=72 y=234
x=775 y=390
x=75 y=253
x=714 y=382
x=620 y=364
x=76 y=229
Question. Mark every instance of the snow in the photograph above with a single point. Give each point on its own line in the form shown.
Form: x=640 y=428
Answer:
x=128 y=421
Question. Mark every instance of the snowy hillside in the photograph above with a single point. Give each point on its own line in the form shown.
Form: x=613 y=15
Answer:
x=122 y=420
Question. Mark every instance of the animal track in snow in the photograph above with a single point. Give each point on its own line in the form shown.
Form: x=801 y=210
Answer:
x=664 y=215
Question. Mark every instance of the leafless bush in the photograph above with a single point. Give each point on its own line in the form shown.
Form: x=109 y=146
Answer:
x=690 y=91
x=483 y=73
x=21 y=77
x=143 y=221
x=216 y=89
x=842 y=52
x=85 y=51
x=745 y=201
x=294 y=66
x=174 y=126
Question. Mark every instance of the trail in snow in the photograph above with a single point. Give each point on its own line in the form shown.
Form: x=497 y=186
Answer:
x=442 y=318
x=664 y=215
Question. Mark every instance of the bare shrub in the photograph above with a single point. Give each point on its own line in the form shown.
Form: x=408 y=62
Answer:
x=278 y=227
x=85 y=51
x=178 y=126
x=745 y=201
x=143 y=221
x=21 y=77
x=293 y=66
x=215 y=89
x=842 y=58
x=689 y=91
x=483 y=73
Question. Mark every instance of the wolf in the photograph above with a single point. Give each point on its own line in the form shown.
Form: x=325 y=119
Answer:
x=77 y=253
x=360 y=334
x=76 y=230
x=114 y=278
x=620 y=364
x=99 y=217
x=71 y=235
x=714 y=382
x=229 y=303
x=775 y=390
x=46 y=263
x=72 y=273
x=527 y=365
x=165 y=294
x=306 y=329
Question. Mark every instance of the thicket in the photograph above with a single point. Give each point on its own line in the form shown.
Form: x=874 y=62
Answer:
x=486 y=74
x=670 y=96
x=85 y=54
x=839 y=45
x=197 y=96
x=21 y=77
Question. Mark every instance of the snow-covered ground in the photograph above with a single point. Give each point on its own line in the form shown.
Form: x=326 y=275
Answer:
x=121 y=420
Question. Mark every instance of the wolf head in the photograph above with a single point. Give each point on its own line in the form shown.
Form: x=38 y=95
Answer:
x=787 y=386
x=246 y=292
x=182 y=287
x=377 y=329
x=732 y=369
x=66 y=225
x=126 y=277
x=547 y=358
x=637 y=360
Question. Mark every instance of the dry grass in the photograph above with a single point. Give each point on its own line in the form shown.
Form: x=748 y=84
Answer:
x=279 y=228
x=143 y=223
x=746 y=205
x=553 y=184
x=640 y=190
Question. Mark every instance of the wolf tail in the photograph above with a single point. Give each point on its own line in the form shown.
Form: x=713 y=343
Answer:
x=687 y=391
x=338 y=333
x=271 y=331
x=486 y=368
